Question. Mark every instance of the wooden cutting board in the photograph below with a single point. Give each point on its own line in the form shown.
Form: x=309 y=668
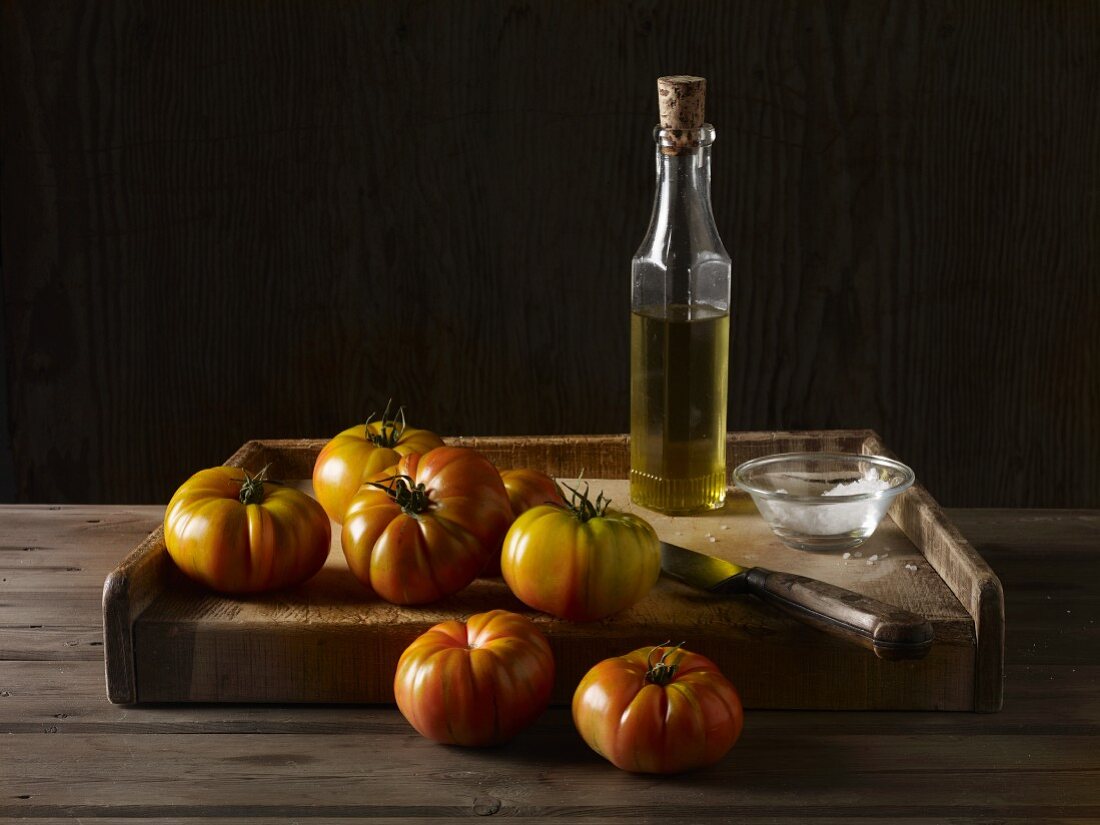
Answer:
x=331 y=640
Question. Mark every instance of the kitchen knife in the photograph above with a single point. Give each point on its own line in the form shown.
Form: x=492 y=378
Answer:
x=892 y=633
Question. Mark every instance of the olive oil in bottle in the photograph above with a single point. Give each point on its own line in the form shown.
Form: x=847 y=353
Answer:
x=679 y=360
x=680 y=321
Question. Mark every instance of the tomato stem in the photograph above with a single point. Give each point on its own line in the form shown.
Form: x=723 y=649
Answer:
x=580 y=503
x=662 y=671
x=411 y=497
x=252 y=487
x=391 y=429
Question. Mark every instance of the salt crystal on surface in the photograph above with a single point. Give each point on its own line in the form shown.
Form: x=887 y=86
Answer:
x=712 y=538
x=725 y=527
x=874 y=557
x=846 y=556
x=870 y=562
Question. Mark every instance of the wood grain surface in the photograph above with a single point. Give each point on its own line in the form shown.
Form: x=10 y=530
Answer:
x=80 y=756
x=232 y=219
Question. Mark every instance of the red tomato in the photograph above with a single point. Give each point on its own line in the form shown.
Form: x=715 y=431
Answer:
x=361 y=451
x=658 y=710
x=530 y=488
x=582 y=562
x=526 y=489
x=236 y=534
x=429 y=531
x=478 y=683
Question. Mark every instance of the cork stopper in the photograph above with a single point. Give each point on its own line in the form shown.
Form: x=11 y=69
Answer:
x=681 y=99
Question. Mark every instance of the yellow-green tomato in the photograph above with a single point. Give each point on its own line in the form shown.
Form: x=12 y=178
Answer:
x=236 y=534
x=578 y=564
x=360 y=452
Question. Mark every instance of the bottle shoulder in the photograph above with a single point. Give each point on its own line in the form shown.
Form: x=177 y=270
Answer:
x=657 y=250
x=687 y=229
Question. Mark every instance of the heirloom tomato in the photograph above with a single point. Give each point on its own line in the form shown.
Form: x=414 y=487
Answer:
x=238 y=533
x=430 y=528
x=658 y=710
x=526 y=489
x=477 y=683
x=359 y=452
x=581 y=562
x=530 y=488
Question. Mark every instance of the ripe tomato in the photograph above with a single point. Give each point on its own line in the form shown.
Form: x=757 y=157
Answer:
x=530 y=488
x=478 y=683
x=658 y=710
x=582 y=562
x=428 y=531
x=361 y=451
x=526 y=489
x=237 y=534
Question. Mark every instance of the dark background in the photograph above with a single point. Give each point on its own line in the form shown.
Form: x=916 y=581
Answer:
x=227 y=220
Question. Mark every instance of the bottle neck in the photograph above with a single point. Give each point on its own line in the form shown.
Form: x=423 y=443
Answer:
x=681 y=265
x=683 y=178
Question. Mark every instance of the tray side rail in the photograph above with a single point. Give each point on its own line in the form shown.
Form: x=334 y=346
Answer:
x=566 y=456
x=132 y=586
x=965 y=572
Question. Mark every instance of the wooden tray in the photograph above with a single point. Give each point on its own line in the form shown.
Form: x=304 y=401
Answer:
x=168 y=640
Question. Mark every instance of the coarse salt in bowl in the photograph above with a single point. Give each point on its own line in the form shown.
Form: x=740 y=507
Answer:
x=823 y=501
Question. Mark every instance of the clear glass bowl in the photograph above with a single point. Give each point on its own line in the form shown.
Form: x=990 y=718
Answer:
x=823 y=501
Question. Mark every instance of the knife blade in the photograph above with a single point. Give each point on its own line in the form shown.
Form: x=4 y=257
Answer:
x=892 y=633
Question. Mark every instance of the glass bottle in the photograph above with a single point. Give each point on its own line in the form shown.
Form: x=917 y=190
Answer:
x=680 y=321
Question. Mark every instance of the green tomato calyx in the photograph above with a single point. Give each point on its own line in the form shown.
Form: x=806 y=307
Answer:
x=662 y=671
x=410 y=496
x=252 y=487
x=392 y=427
x=582 y=506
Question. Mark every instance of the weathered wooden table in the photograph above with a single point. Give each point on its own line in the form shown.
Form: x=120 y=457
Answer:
x=69 y=753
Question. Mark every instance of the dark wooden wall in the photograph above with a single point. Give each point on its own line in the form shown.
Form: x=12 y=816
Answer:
x=224 y=220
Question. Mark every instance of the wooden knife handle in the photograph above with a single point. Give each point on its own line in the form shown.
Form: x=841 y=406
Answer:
x=892 y=633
